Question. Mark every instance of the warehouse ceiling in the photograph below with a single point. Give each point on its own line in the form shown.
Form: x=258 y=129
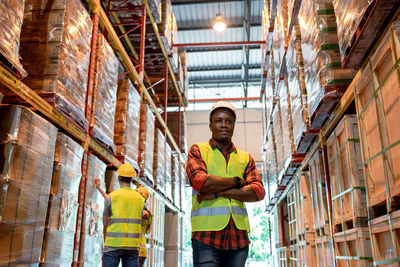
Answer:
x=231 y=71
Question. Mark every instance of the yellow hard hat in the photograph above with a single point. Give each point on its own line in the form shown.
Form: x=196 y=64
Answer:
x=126 y=170
x=143 y=191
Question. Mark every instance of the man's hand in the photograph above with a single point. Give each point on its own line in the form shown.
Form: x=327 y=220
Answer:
x=97 y=182
x=205 y=196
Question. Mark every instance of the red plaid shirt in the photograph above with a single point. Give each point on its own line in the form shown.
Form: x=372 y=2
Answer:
x=231 y=237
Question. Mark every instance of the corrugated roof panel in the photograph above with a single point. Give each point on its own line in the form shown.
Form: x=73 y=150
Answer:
x=214 y=58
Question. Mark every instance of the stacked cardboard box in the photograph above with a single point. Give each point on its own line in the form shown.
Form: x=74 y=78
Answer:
x=159 y=163
x=60 y=226
x=55 y=50
x=324 y=77
x=126 y=127
x=10 y=31
x=104 y=92
x=27 y=147
x=146 y=142
x=91 y=242
x=173 y=126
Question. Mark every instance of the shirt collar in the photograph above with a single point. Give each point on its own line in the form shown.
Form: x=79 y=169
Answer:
x=213 y=145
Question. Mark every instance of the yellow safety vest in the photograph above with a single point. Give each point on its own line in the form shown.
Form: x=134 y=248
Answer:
x=214 y=215
x=126 y=220
x=143 y=249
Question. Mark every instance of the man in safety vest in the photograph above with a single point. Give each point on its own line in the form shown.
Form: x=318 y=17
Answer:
x=223 y=177
x=123 y=218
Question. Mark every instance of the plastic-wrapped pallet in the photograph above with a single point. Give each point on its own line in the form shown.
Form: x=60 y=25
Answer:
x=184 y=181
x=111 y=179
x=155 y=6
x=270 y=155
x=324 y=77
x=349 y=14
x=168 y=172
x=297 y=86
x=146 y=142
x=11 y=18
x=126 y=127
x=176 y=190
x=59 y=233
x=91 y=243
x=173 y=126
x=286 y=122
x=159 y=166
x=277 y=125
x=55 y=50
x=280 y=36
x=104 y=92
x=27 y=144
x=167 y=24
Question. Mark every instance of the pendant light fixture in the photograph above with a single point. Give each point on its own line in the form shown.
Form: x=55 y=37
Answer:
x=219 y=24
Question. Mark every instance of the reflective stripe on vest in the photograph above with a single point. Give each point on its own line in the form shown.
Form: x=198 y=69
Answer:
x=214 y=215
x=125 y=227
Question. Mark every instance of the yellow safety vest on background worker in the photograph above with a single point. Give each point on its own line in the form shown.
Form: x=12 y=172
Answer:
x=126 y=219
x=143 y=249
x=214 y=215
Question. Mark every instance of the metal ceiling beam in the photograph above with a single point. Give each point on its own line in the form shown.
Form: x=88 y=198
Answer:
x=209 y=27
x=224 y=80
x=224 y=99
x=246 y=25
x=189 y=2
x=223 y=44
x=214 y=68
x=216 y=49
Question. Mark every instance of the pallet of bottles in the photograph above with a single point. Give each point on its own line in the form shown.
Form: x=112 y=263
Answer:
x=378 y=105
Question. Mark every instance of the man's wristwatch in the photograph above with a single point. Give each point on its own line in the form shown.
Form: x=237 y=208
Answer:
x=238 y=181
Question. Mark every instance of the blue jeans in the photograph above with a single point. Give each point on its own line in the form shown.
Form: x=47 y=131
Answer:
x=208 y=256
x=130 y=258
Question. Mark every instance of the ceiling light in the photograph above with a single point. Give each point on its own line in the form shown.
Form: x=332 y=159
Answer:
x=219 y=24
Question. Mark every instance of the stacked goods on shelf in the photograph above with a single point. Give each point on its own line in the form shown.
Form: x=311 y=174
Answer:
x=297 y=93
x=177 y=130
x=157 y=232
x=172 y=238
x=283 y=257
x=269 y=157
x=168 y=172
x=384 y=232
x=268 y=99
x=10 y=31
x=126 y=127
x=183 y=75
x=168 y=25
x=280 y=38
x=27 y=144
x=291 y=206
x=104 y=93
x=324 y=251
x=325 y=80
x=155 y=6
x=176 y=174
x=111 y=181
x=353 y=247
x=278 y=134
x=349 y=207
x=349 y=14
x=378 y=106
x=146 y=142
x=266 y=22
x=184 y=180
x=55 y=49
x=159 y=160
x=91 y=239
x=58 y=245
x=304 y=221
x=318 y=194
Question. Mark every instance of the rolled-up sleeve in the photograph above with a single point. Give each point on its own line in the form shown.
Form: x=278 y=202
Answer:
x=253 y=179
x=196 y=168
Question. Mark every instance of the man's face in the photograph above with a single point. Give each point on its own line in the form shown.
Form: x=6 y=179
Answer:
x=222 y=125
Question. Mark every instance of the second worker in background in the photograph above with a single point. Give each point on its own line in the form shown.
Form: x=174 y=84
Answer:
x=223 y=177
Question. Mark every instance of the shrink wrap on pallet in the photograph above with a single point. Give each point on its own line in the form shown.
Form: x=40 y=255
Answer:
x=146 y=141
x=349 y=14
x=55 y=50
x=104 y=92
x=296 y=85
x=27 y=144
x=126 y=127
x=270 y=155
x=159 y=163
x=10 y=30
x=91 y=242
x=277 y=125
x=155 y=6
x=324 y=76
x=168 y=177
x=176 y=190
x=63 y=205
x=175 y=129
x=286 y=124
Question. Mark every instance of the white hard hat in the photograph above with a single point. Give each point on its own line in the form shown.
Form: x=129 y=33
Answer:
x=223 y=104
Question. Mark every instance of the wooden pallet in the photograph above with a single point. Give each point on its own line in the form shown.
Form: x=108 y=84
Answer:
x=324 y=251
x=378 y=120
x=325 y=108
x=353 y=247
x=293 y=255
x=385 y=233
x=283 y=256
x=304 y=214
x=292 y=220
x=305 y=140
x=306 y=253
